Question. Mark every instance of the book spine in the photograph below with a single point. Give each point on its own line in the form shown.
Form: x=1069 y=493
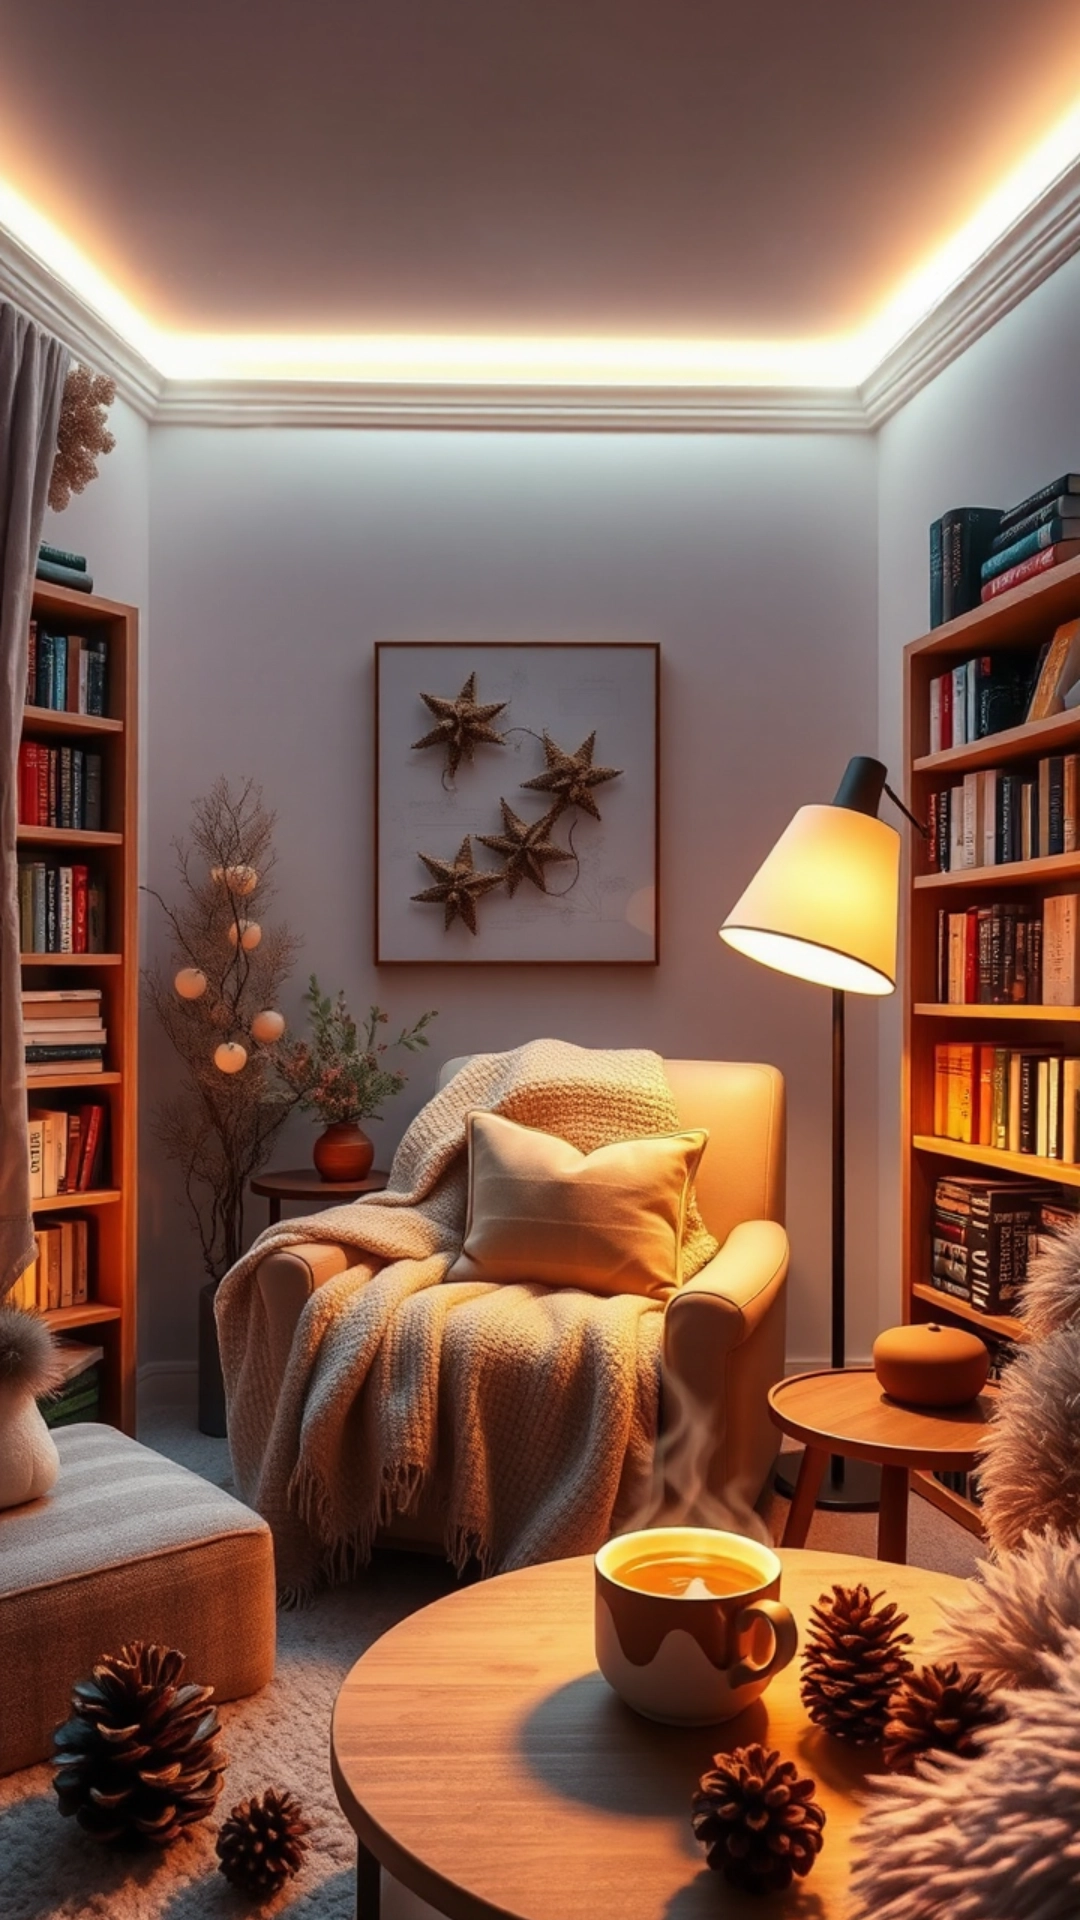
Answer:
x=959 y=705
x=59 y=685
x=944 y=830
x=30 y=695
x=64 y=911
x=92 y=800
x=935 y=713
x=1064 y=507
x=1028 y=569
x=64 y=576
x=946 y=711
x=936 y=600
x=1067 y=484
x=44 y=1050
x=1029 y=543
x=932 y=832
x=59 y=557
x=94 y=1121
x=1055 y=805
x=79 y=908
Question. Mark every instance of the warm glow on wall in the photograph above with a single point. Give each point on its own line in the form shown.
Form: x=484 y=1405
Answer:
x=397 y=360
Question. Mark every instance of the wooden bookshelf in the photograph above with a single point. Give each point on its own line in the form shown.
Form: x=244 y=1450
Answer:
x=113 y=853
x=1024 y=618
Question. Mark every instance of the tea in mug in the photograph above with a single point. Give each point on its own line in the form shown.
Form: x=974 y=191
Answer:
x=687 y=1576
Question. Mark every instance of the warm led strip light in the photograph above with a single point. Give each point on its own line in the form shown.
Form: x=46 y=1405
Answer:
x=395 y=360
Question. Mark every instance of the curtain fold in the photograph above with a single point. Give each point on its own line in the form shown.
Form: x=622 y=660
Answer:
x=33 y=367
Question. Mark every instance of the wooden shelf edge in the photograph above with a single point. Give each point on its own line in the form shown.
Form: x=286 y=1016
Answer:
x=93 y=1314
x=1012 y=743
x=71 y=959
x=999 y=1324
x=989 y=1010
x=73 y=1080
x=1009 y=873
x=965 y=1512
x=61 y=720
x=65 y=836
x=1057 y=1171
x=93 y=1197
x=1050 y=596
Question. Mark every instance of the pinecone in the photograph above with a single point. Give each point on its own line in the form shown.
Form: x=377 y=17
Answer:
x=853 y=1661
x=261 y=1844
x=758 y=1821
x=139 y=1760
x=939 y=1709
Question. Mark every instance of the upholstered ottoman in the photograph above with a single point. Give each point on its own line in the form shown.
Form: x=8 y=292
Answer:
x=128 y=1546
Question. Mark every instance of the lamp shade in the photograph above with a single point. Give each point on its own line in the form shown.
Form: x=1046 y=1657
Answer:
x=823 y=904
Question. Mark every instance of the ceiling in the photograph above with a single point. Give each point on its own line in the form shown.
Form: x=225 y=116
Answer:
x=675 y=169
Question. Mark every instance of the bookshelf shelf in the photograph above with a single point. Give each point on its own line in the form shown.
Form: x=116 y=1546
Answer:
x=46 y=720
x=1023 y=620
x=112 y=856
x=1028 y=1164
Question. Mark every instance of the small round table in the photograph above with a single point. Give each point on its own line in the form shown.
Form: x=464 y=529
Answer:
x=843 y=1410
x=480 y=1757
x=304 y=1185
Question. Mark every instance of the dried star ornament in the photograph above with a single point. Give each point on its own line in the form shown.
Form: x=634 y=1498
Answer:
x=81 y=435
x=458 y=885
x=571 y=776
x=461 y=724
x=526 y=848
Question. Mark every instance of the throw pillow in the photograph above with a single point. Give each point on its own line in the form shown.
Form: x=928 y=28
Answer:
x=610 y=1221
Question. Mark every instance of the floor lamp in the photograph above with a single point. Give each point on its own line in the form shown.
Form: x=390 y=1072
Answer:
x=823 y=907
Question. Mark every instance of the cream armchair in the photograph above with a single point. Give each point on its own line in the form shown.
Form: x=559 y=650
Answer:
x=723 y=1341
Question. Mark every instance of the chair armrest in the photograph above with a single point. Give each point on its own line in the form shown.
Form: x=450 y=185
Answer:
x=287 y=1277
x=728 y=1299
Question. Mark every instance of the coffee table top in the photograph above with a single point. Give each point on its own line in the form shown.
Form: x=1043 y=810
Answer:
x=483 y=1760
x=303 y=1183
x=844 y=1410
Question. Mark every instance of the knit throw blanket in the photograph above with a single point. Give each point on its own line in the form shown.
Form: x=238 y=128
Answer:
x=538 y=1405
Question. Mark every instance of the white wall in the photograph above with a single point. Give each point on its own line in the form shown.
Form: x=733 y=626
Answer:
x=993 y=427
x=278 y=558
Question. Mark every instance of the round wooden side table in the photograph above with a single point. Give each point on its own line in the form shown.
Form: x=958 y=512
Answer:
x=480 y=1757
x=843 y=1410
x=303 y=1185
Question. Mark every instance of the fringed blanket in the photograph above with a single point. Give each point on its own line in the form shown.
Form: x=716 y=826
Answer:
x=538 y=1404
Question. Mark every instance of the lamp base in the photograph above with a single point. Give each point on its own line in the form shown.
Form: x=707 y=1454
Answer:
x=849 y=1486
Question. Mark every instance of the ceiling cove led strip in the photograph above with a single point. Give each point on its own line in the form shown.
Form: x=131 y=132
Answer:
x=1024 y=230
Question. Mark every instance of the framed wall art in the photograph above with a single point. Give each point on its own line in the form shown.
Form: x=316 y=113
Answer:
x=516 y=801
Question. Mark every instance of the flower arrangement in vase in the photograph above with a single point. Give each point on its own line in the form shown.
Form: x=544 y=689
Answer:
x=339 y=1075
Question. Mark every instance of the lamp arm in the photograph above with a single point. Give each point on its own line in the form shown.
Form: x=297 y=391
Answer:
x=895 y=798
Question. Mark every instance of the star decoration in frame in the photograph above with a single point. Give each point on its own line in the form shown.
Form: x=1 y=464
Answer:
x=461 y=725
x=458 y=885
x=571 y=777
x=527 y=848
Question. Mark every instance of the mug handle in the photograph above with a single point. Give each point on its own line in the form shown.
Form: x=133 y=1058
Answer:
x=785 y=1641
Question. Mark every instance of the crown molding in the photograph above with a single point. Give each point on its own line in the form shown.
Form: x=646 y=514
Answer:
x=55 y=306
x=1032 y=249
x=555 y=409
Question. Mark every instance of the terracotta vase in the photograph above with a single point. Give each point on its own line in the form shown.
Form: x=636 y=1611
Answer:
x=343 y=1152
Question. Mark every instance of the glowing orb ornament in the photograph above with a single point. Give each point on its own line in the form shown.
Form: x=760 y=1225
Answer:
x=230 y=1056
x=191 y=983
x=248 y=932
x=239 y=879
x=268 y=1026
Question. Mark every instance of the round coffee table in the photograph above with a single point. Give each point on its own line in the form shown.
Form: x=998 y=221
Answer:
x=481 y=1759
x=843 y=1410
x=303 y=1185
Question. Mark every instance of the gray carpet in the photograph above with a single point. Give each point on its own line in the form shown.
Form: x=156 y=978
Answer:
x=50 y=1871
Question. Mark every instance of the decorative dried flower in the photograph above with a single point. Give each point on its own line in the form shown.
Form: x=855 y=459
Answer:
x=82 y=434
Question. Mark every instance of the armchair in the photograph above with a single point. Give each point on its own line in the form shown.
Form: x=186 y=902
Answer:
x=723 y=1343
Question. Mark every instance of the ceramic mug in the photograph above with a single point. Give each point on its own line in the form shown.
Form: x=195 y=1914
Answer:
x=694 y=1656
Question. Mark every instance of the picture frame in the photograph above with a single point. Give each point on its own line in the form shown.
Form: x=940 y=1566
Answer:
x=548 y=749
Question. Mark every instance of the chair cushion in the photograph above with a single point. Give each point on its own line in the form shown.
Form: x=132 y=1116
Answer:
x=610 y=1221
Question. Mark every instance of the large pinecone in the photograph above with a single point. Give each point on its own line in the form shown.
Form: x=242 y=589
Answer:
x=139 y=1760
x=262 y=1844
x=853 y=1661
x=758 y=1820
x=938 y=1709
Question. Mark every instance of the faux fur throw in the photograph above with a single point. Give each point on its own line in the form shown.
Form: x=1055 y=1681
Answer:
x=538 y=1405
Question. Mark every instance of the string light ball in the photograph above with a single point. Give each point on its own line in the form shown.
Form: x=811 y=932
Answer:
x=239 y=879
x=191 y=983
x=247 y=932
x=230 y=1057
x=268 y=1026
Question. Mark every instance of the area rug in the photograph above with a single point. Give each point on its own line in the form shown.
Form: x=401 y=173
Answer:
x=49 y=1870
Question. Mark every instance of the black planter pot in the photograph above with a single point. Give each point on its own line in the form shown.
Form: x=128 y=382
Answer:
x=211 y=1384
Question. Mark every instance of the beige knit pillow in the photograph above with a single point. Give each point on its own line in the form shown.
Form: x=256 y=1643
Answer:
x=610 y=1221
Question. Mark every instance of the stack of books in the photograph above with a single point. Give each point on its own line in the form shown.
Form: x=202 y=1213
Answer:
x=62 y=1027
x=1014 y=1099
x=59 y=1274
x=59 y=787
x=959 y=543
x=1038 y=533
x=983 y=1234
x=66 y=672
x=61 y=908
x=78 y=1396
x=67 y=1149
x=63 y=569
x=1010 y=953
x=998 y=815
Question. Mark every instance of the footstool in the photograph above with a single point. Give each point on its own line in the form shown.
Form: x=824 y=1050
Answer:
x=128 y=1546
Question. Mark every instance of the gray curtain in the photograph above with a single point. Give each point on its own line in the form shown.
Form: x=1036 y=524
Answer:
x=33 y=367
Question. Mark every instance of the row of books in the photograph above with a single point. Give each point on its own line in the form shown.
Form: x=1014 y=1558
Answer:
x=63 y=569
x=995 y=817
x=66 y=672
x=984 y=1233
x=61 y=908
x=67 y=1150
x=59 y=1275
x=59 y=787
x=990 y=692
x=1014 y=1099
x=965 y=540
x=1011 y=953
